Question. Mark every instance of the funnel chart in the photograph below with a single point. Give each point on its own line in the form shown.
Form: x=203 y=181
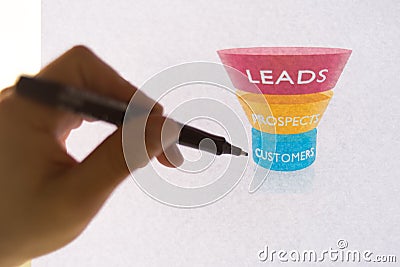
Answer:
x=293 y=88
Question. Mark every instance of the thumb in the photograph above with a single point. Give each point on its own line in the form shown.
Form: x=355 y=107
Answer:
x=132 y=145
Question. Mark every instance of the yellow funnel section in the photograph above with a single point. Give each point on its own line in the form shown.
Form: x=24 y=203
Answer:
x=287 y=114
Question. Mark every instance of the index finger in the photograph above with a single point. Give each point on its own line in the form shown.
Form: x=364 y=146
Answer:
x=81 y=68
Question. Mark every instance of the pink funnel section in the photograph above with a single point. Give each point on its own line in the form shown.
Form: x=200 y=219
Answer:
x=285 y=70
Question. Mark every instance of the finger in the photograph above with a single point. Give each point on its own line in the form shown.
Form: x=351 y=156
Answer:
x=81 y=68
x=171 y=157
x=106 y=166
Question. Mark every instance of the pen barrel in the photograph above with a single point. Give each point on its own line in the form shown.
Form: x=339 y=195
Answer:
x=192 y=137
x=87 y=103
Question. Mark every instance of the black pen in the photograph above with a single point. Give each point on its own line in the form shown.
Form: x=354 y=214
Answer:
x=102 y=108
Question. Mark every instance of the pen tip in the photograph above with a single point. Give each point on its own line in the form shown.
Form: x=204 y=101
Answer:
x=234 y=150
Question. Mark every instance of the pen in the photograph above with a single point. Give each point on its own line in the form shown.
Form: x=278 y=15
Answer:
x=102 y=108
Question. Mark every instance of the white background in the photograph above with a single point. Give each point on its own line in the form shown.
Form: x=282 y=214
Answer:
x=354 y=192
x=20 y=39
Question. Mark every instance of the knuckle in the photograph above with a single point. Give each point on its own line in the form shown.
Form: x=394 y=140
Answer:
x=80 y=51
x=6 y=90
x=158 y=109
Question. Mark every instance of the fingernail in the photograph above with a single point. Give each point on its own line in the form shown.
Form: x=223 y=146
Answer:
x=174 y=155
x=169 y=133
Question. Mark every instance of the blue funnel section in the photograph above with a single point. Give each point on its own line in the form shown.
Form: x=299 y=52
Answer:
x=291 y=152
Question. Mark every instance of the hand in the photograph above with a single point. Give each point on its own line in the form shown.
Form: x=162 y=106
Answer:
x=46 y=197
